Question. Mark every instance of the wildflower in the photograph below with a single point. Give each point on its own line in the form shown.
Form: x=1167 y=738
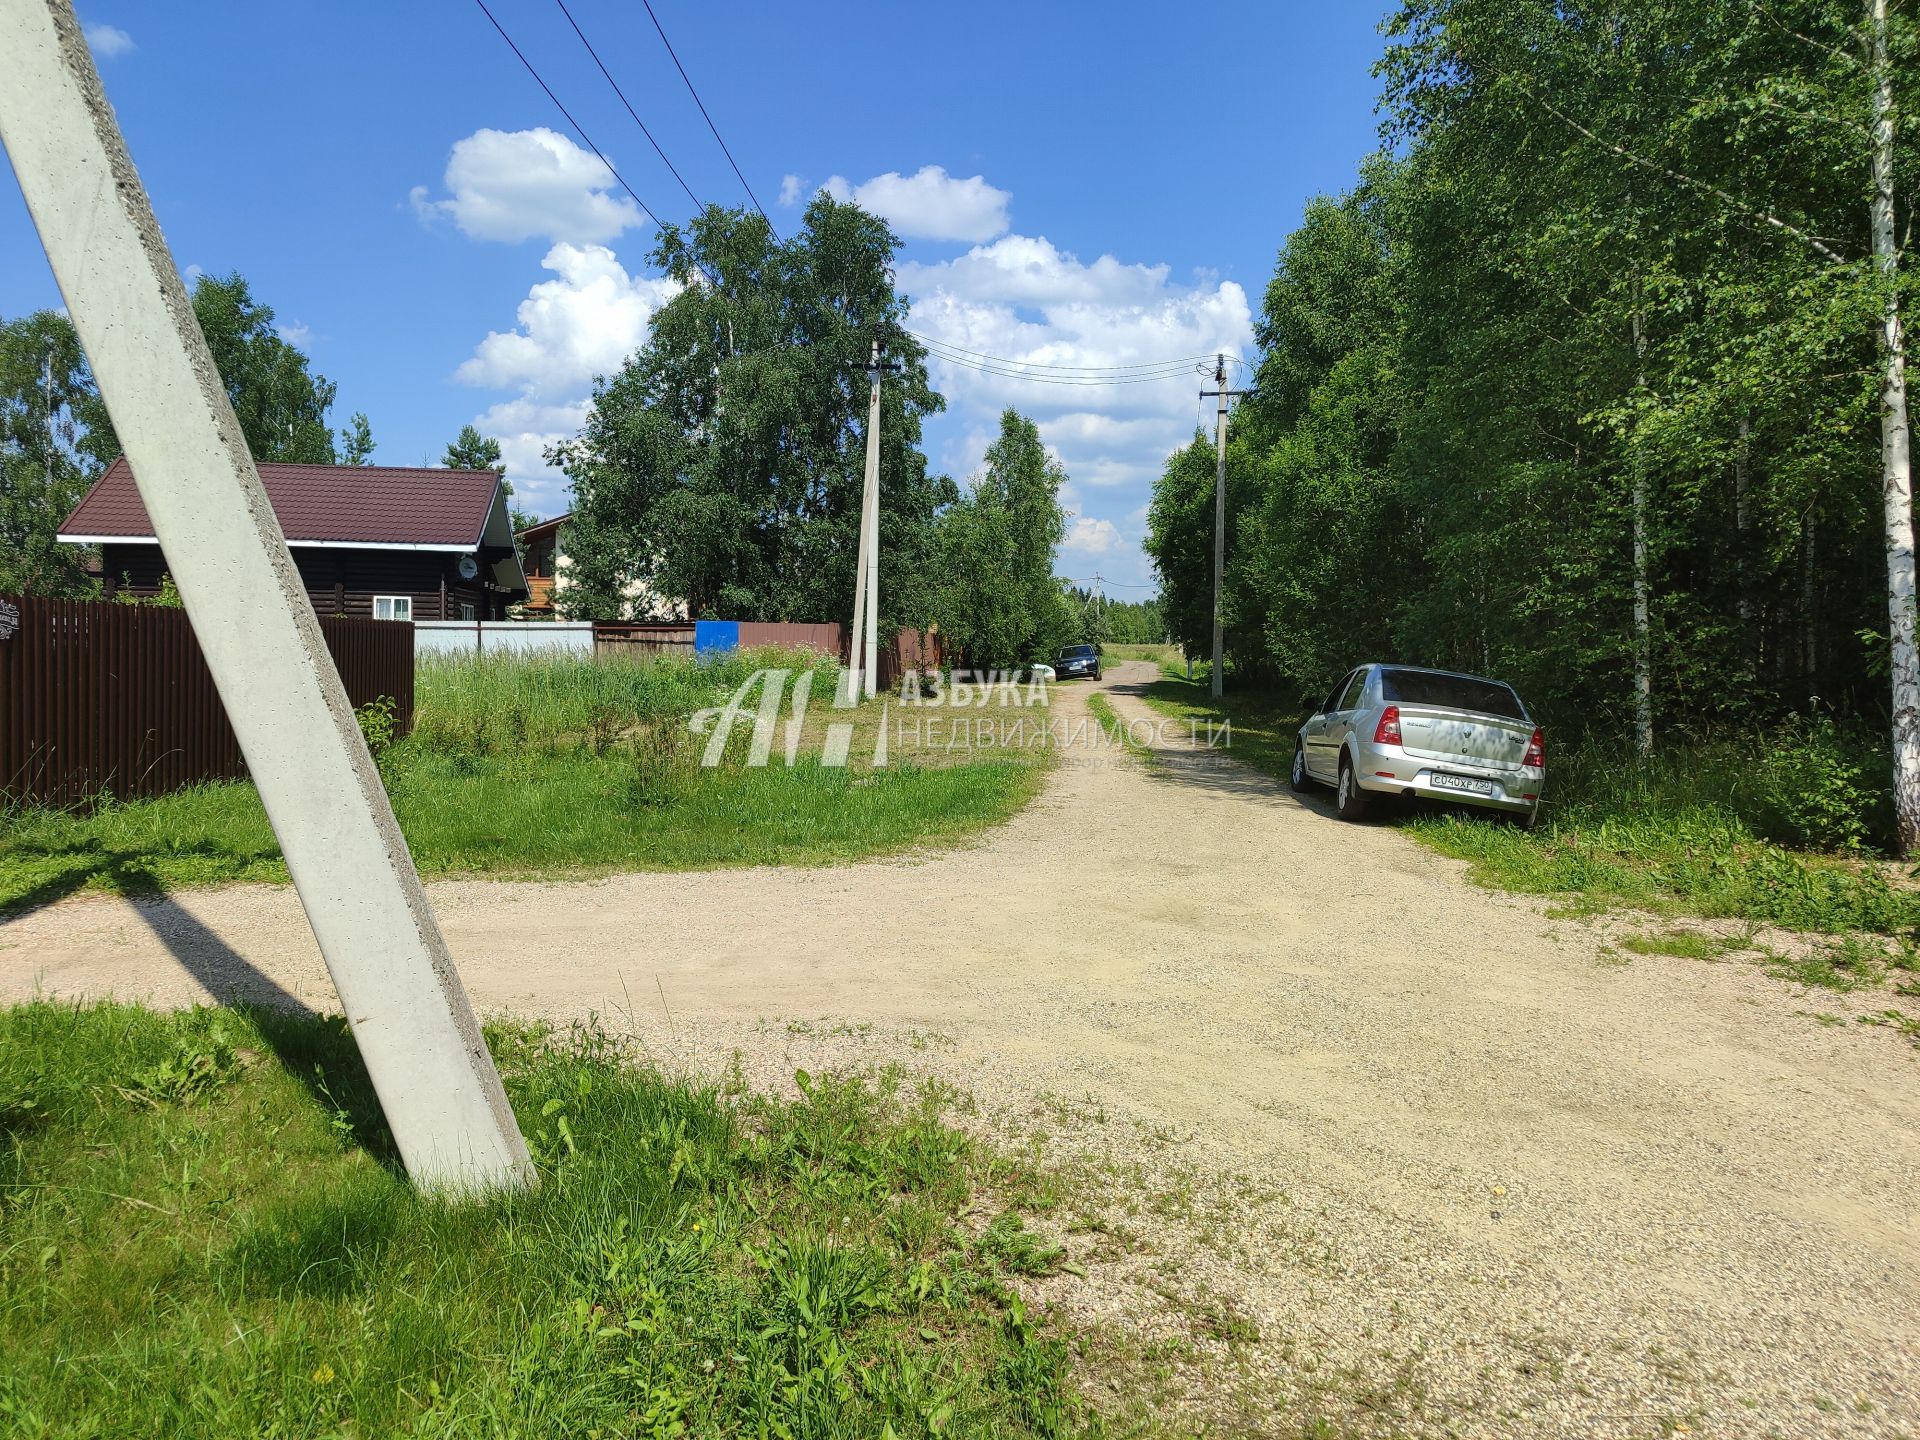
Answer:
x=323 y=1375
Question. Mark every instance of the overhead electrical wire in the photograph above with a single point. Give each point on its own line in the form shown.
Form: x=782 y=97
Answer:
x=645 y=209
x=1016 y=368
x=708 y=118
x=959 y=356
x=1049 y=373
x=624 y=101
x=931 y=342
x=1151 y=377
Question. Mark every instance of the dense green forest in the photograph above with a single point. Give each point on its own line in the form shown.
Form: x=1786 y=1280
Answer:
x=1591 y=381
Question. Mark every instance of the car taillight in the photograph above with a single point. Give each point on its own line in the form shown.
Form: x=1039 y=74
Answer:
x=1387 y=732
x=1536 y=756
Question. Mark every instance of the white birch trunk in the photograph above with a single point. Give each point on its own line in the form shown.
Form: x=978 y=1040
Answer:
x=1642 y=588
x=1896 y=452
x=1743 y=518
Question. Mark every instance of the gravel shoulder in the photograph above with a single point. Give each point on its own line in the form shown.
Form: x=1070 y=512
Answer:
x=1342 y=1134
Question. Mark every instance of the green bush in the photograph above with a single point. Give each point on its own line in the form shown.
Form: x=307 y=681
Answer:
x=376 y=719
x=1810 y=788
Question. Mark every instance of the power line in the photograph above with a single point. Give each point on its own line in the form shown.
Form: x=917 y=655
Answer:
x=1071 y=380
x=624 y=101
x=1147 y=370
x=931 y=343
x=1015 y=368
x=708 y=118
x=645 y=209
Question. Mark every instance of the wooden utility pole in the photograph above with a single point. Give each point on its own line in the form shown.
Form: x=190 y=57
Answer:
x=1219 y=511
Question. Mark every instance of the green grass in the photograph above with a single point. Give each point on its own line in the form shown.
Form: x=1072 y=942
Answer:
x=1681 y=861
x=1262 y=724
x=1162 y=655
x=203 y=1233
x=542 y=703
x=1682 y=944
x=1108 y=719
x=493 y=781
x=1772 y=829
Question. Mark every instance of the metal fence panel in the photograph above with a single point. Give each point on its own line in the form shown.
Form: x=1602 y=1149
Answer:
x=467 y=638
x=98 y=698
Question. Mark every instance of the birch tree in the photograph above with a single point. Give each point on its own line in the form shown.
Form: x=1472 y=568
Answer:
x=1896 y=444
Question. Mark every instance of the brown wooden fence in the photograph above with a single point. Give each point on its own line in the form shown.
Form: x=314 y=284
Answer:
x=618 y=640
x=98 y=698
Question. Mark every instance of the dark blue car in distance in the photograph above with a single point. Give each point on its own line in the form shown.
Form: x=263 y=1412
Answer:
x=1077 y=660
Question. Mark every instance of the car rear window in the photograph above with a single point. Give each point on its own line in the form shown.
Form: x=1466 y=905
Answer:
x=1451 y=692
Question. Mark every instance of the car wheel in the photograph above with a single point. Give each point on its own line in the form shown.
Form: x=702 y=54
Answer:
x=1349 y=799
x=1297 y=777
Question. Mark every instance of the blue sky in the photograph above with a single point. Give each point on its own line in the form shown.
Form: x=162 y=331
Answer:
x=1077 y=184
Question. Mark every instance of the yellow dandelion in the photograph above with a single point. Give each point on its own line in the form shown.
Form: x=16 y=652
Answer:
x=323 y=1375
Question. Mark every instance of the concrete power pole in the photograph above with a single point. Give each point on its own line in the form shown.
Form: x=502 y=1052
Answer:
x=1219 y=511
x=250 y=612
x=859 y=649
x=863 y=647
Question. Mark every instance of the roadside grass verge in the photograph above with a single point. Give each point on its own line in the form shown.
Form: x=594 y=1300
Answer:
x=1262 y=723
x=549 y=768
x=203 y=1232
x=1774 y=829
x=1161 y=655
x=1108 y=719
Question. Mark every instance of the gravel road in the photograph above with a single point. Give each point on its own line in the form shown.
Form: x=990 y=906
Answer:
x=1346 y=1136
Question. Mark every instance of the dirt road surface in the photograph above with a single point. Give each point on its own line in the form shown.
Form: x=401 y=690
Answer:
x=1348 y=1136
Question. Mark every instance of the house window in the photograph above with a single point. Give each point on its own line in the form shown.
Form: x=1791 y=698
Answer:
x=393 y=607
x=466 y=610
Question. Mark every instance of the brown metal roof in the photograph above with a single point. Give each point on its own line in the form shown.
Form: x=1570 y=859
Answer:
x=541 y=527
x=345 y=504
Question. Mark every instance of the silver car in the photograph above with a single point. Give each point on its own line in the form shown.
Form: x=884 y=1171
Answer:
x=1402 y=730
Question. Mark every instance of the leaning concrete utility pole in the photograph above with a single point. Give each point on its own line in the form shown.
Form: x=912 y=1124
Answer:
x=417 y=1033
x=1219 y=510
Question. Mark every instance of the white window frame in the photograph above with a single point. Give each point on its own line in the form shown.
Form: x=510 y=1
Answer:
x=468 y=611
x=398 y=607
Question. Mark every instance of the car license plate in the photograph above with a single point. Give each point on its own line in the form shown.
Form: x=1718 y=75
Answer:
x=1462 y=783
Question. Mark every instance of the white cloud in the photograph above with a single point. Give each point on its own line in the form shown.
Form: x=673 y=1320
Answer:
x=107 y=42
x=792 y=190
x=583 y=323
x=928 y=204
x=1092 y=538
x=1023 y=299
x=294 y=332
x=526 y=429
x=515 y=185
